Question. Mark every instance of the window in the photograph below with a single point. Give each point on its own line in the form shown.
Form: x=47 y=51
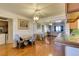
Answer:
x=58 y=28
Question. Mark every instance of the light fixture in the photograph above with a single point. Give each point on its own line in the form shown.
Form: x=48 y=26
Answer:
x=36 y=14
x=35 y=18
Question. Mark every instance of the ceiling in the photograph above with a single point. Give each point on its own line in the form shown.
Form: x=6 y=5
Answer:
x=28 y=9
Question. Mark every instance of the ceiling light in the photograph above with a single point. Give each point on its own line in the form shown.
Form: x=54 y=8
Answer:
x=36 y=18
x=36 y=13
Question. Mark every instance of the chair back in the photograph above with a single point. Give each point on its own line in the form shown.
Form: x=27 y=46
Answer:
x=17 y=38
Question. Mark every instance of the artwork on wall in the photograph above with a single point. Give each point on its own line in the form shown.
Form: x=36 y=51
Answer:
x=23 y=24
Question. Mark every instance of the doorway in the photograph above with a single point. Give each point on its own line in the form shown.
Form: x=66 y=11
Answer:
x=3 y=32
x=6 y=30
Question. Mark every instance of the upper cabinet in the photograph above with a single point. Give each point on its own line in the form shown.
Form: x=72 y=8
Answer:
x=72 y=7
x=72 y=12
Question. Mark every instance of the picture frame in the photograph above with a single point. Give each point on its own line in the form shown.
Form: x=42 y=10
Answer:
x=23 y=24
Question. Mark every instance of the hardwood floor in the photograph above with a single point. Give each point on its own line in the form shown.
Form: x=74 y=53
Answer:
x=39 y=49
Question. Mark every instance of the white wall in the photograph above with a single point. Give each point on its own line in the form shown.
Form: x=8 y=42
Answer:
x=10 y=31
x=28 y=31
x=13 y=25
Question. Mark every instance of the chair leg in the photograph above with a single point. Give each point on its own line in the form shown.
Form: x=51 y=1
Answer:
x=33 y=43
x=19 y=45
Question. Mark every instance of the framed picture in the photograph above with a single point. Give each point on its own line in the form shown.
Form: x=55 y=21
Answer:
x=23 y=24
